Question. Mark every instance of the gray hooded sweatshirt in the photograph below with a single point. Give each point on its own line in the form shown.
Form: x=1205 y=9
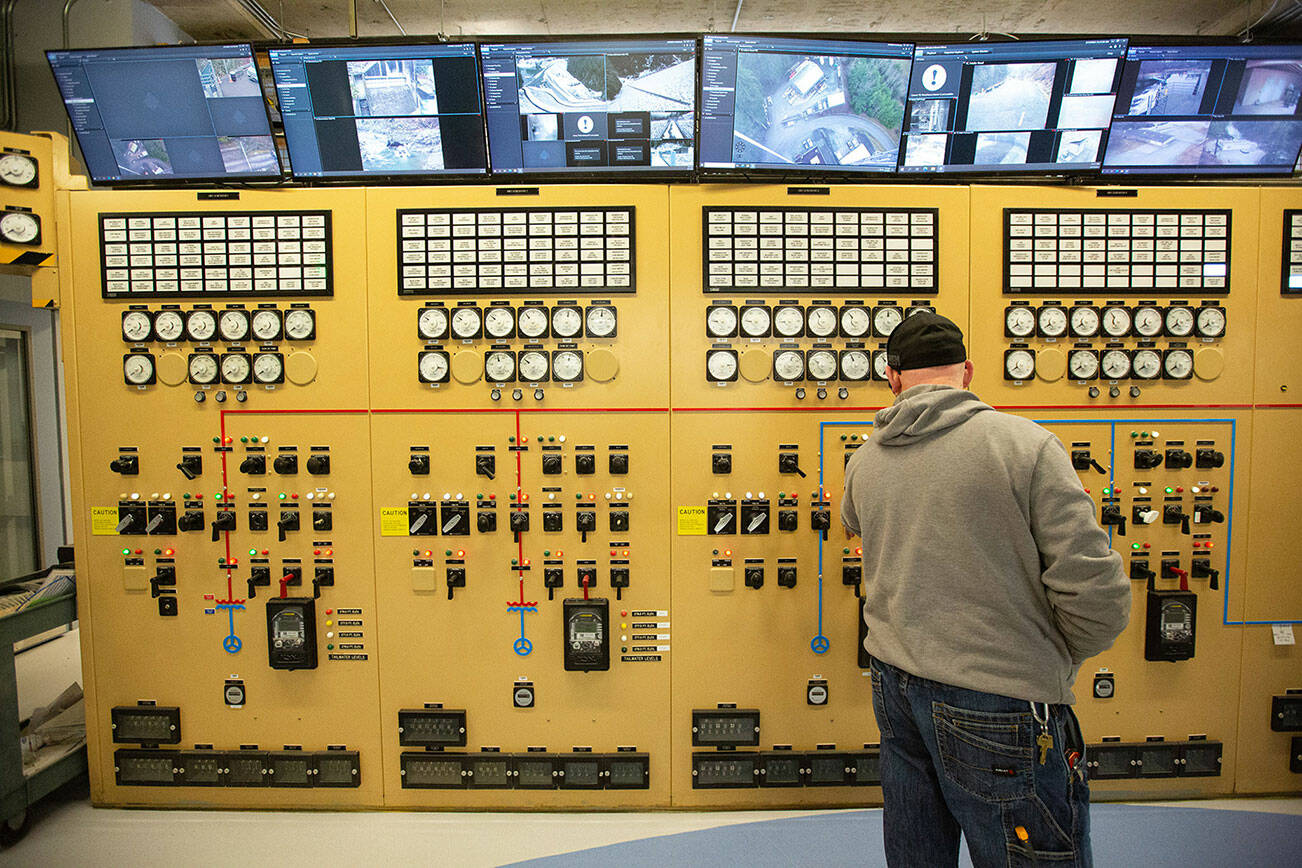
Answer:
x=984 y=566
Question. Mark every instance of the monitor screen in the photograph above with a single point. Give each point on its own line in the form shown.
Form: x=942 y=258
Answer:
x=1011 y=106
x=371 y=111
x=167 y=113
x=1207 y=109
x=770 y=102
x=591 y=106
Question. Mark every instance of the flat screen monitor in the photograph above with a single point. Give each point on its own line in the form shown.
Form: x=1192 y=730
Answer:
x=591 y=106
x=802 y=105
x=376 y=111
x=1207 y=110
x=168 y=113
x=1011 y=107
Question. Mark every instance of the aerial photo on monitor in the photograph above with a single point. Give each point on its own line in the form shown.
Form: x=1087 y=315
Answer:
x=1170 y=87
x=1010 y=96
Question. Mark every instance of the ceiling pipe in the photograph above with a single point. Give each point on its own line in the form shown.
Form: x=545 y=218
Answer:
x=736 y=15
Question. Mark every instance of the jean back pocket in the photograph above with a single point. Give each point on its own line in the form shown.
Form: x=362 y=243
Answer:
x=989 y=754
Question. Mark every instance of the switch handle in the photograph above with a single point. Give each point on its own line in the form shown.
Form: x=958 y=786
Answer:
x=126 y=523
x=1099 y=467
x=185 y=470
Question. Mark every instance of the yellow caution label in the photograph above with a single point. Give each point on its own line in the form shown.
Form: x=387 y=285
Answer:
x=691 y=521
x=104 y=521
x=393 y=521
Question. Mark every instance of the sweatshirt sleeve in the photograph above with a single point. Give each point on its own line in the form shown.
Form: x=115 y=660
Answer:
x=1083 y=581
x=849 y=516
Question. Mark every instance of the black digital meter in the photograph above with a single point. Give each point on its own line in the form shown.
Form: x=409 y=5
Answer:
x=587 y=635
x=291 y=632
x=1172 y=619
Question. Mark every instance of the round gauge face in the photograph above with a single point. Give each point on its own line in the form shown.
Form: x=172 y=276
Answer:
x=1116 y=364
x=1084 y=322
x=721 y=322
x=879 y=365
x=499 y=366
x=601 y=322
x=138 y=369
x=916 y=309
x=233 y=325
x=200 y=325
x=533 y=366
x=169 y=326
x=855 y=322
x=203 y=368
x=566 y=322
x=432 y=323
x=1211 y=322
x=433 y=367
x=567 y=366
x=1116 y=321
x=268 y=368
x=822 y=365
x=466 y=322
x=755 y=321
x=1178 y=364
x=532 y=322
x=1019 y=365
x=17 y=170
x=788 y=365
x=1053 y=321
x=885 y=319
x=821 y=321
x=854 y=365
x=1148 y=322
x=499 y=322
x=1083 y=365
x=788 y=321
x=19 y=227
x=1019 y=321
x=1147 y=364
x=299 y=325
x=721 y=365
x=135 y=326
x=235 y=368
x=266 y=325
x=1179 y=322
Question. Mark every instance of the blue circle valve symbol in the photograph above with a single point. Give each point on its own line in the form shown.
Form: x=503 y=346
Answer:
x=232 y=644
x=523 y=646
x=820 y=644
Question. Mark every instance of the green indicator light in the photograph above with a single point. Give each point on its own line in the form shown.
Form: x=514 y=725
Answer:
x=1169 y=489
x=854 y=436
x=578 y=496
x=842 y=436
x=845 y=551
x=158 y=551
x=1134 y=545
x=1134 y=433
x=479 y=496
x=510 y=439
x=551 y=439
x=186 y=495
x=244 y=440
x=447 y=552
x=513 y=497
x=216 y=439
x=330 y=647
x=514 y=562
x=126 y=551
x=282 y=495
x=547 y=553
x=252 y=552
x=415 y=553
x=1107 y=491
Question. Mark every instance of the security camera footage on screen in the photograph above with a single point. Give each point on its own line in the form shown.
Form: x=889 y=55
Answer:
x=355 y=111
x=609 y=106
x=1011 y=107
x=179 y=112
x=1207 y=109
x=802 y=105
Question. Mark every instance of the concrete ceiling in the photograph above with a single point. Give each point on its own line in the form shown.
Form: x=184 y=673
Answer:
x=208 y=20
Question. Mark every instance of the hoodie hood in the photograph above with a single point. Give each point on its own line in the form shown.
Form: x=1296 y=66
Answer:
x=922 y=411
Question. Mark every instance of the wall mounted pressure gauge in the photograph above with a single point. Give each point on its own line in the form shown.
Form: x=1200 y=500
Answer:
x=1084 y=322
x=499 y=367
x=1052 y=321
x=788 y=366
x=233 y=325
x=168 y=326
x=788 y=322
x=499 y=322
x=533 y=366
x=1116 y=321
x=917 y=309
x=567 y=366
x=885 y=319
x=266 y=325
x=1115 y=364
x=136 y=326
x=200 y=325
x=432 y=323
x=203 y=369
x=721 y=366
x=236 y=368
x=721 y=321
x=18 y=170
x=467 y=323
x=532 y=322
x=600 y=321
x=1147 y=364
x=879 y=365
x=855 y=321
x=1211 y=322
x=1083 y=364
x=855 y=365
x=1177 y=364
x=1019 y=321
x=1019 y=365
x=138 y=369
x=1179 y=321
x=20 y=227
x=300 y=324
x=268 y=368
x=1148 y=322
x=820 y=321
x=566 y=322
x=821 y=365
x=756 y=322
x=433 y=367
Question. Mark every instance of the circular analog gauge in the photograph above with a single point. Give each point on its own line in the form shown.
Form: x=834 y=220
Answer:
x=432 y=324
x=466 y=322
x=788 y=366
x=19 y=227
x=1179 y=322
x=138 y=369
x=1116 y=364
x=533 y=366
x=755 y=321
x=203 y=368
x=822 y=365
x=1147 y=364
x=1019 y=365
x=1178 y=364
x=169 y=326
x=855 y=322
x=235 y=368
x=1019 y=321
x=1148 y=322
x=1084 y=322
x=788 y=321
x=499 y=322
x=135 y=326
x=919 y=308
x=433 y=367
x=854 y=365
x=601 y=321
x=1053 y=321
x=499 y=366
x=300 y=325
x=1116 y=321
x=721 y=365
x=567 y=365
x=885 y=319
x=879 y=364
x=1211 y=322
x=17 y=170
x=1083 y=365
x=200 y=325
x=721 y=322
x=821 y=321
x=266 y=325
x=233 y=326
x=566 y=322
x=532 y=322
x=268 y=368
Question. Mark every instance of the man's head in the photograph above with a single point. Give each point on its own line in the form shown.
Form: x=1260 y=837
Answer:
x=927 y=348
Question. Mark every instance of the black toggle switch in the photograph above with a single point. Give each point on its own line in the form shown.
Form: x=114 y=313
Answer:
x=322 y=520
x=619 y=581
x=852 y=574
x=1201 y=568
x=1178 y=459
x=286 y=464
x=618 y=463
x=519 y=522
x=1147 y=459
x=789 y=462
x=585 y=463
x=165 y=574
x=258 y=519
x=486 y=521
x=1081 y=460
x=191 y=519
x=224 y=520
x=1140 y=572
x=553 y=578
x=721 y=462
x=585 y=522
x=551 y=463
x=485 y=465
x=127 y=465
x=418 y=465
x=324 y=577
x=318 y=464
x=456 y=579
x=1205 y=513
x=786 y=577
x=1111 y=515
x=1207 y=459
x=191 y=465
x=254 y=465
x=1173 y=513
x=788 y=519
x=820 y=519
x=619 y=520
x=288 y=521
x=754 y=576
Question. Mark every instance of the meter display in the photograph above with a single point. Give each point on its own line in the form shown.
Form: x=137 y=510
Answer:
x=581 y=773
x=587 y=637
x=725 y=727
x=722 y=771
x=291 y=633
x=494 y=773
x=445 y=727
x=1171 y=622
x=627 y=771
x=781 y=770
x=432 y=771
x=146 y=724
x=534 y=772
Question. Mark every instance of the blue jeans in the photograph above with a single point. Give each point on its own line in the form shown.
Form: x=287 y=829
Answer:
x=961 y=761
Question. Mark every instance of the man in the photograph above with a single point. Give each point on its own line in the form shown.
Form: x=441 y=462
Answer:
x=988 y=582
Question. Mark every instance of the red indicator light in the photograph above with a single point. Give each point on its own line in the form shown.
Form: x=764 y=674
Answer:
x=169 y=552
x=330 y=611
x=429 y=553
x=524 y=497
x=1207 y=545
x=330 y=553
x=233 y=561
x=727 y=553
x=316 y=551
x=266 y=551
x=461 y=553
x=1148 y=545
x=858 y=551
x=140 y=551
x=526 y=562
x=625 y=552
x=592 y=497
x=560 y=553
x=492 y=497
x=612 y=553
x=228 y=439
x=293 y=497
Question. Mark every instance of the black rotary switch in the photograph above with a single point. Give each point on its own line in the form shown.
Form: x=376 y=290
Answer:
x=127 y=465
x=286 y=464
x=1178 y=459
x=222 y=521
x=322 y=520
x=585 y=463
x=254 y=465
x=288 y=521
x=486 y=521
x=721 y=462
x=318 y=464
x=1147 y=459
x=1208 y=459
x=1082 y=460
x=1173 y=513
x=551 y=463
x=789 y=462
x=191 y=465
x=191 y=519
x=618 y=463
x=486 y=465
x=418 y=465
x=1111 y=515
x=1205 y=513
